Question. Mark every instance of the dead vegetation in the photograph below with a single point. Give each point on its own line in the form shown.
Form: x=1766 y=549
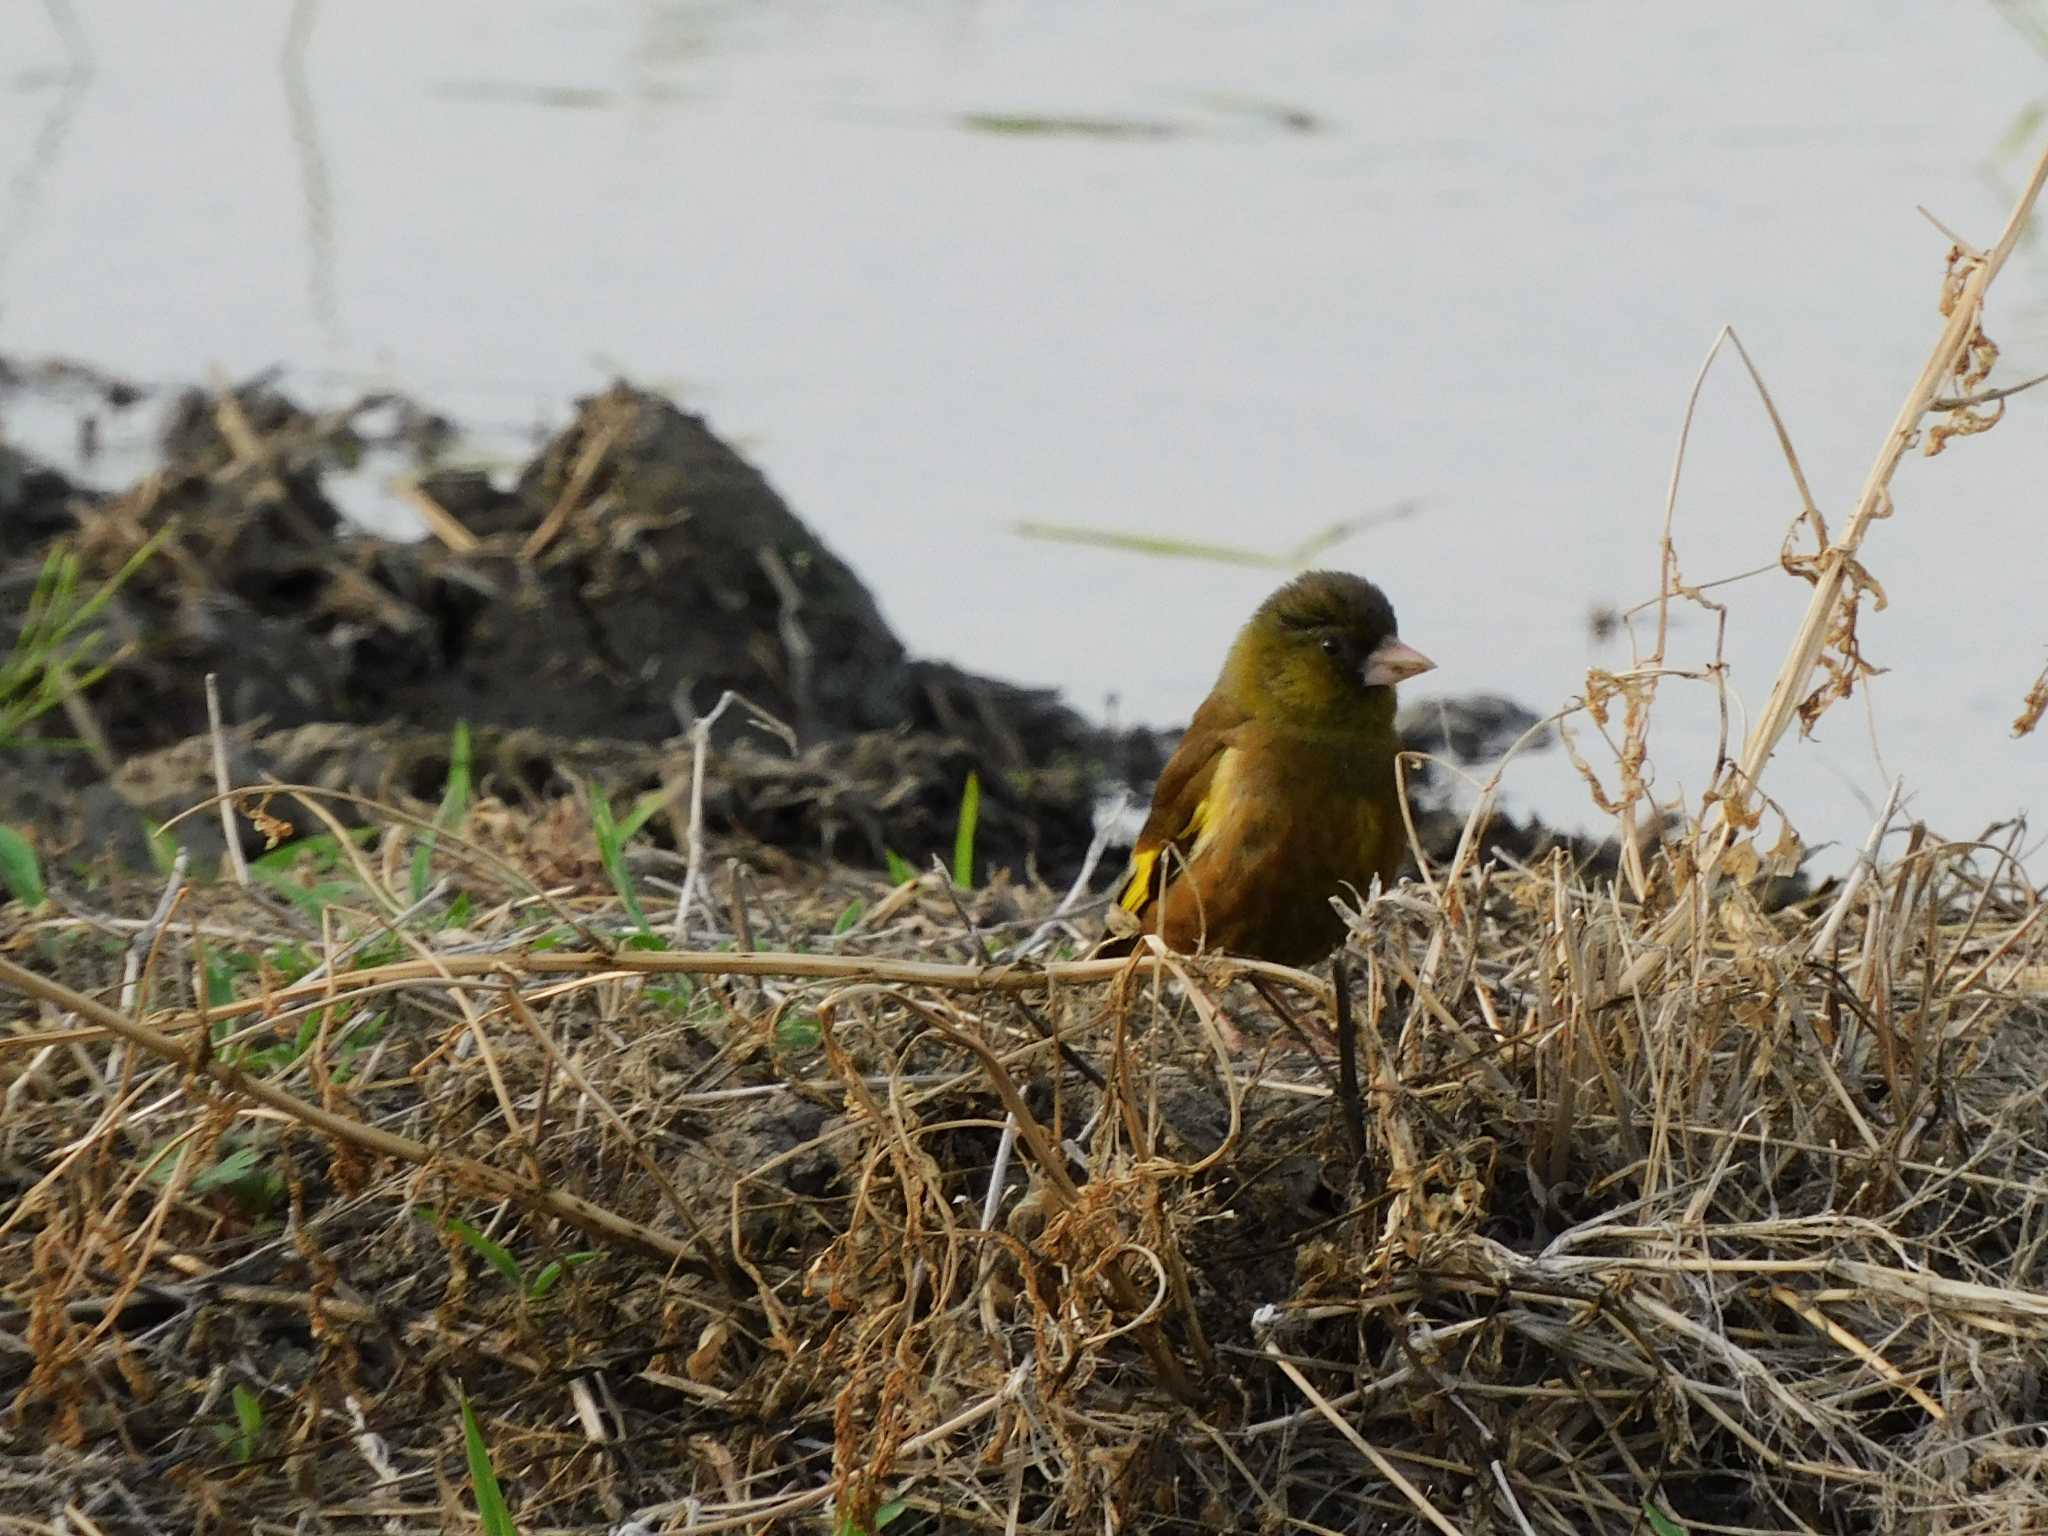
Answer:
x=1640 y=1204
x=1757 y=1249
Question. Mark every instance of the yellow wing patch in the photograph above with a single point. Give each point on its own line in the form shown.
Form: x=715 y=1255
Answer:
x=1139 y=886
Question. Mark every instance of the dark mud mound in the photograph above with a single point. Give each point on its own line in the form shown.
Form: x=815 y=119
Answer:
x=33 y=503
x=642 y=569
x=580 y=616
x=637 y=572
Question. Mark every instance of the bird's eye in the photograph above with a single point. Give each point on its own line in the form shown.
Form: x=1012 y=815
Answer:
x=1333 y=647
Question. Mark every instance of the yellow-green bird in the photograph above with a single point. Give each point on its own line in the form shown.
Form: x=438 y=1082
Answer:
x=1283 y=792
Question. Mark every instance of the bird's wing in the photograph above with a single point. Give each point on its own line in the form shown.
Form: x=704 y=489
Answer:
x=1184 y=802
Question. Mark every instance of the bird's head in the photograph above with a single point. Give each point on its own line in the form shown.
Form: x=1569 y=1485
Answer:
x=1322 y=655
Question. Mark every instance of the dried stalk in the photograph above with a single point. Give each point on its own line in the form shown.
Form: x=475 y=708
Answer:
x=483 y=1178
x=1832 y=571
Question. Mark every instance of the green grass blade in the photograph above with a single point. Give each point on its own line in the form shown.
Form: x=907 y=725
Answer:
x=963 y=832
x=249 y=1419
x=499 y=1257
x=1301 y=555
x=163 y=846
x=611 y=852
x=886 y=1515
x=483 y=1479
x=233 y=1167
x=637 y=818
x=1148 y=544
x=454 y=806
x=554 y=1269
x=799 y=1034
x=495 y=1254
x=53 y=654
x=20 y=871
x=91 y=608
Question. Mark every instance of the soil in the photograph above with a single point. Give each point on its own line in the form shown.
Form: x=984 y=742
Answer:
x=579 y=616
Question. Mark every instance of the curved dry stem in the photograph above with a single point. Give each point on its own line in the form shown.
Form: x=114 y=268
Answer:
x=581 y=1214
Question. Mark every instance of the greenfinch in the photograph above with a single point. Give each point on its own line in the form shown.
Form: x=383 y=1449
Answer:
x=1283 y=791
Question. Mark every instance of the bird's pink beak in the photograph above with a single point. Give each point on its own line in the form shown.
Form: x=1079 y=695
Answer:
x=1392 y=662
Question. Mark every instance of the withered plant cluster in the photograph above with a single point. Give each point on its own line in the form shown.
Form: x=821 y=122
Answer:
x=872 y=1229
x=477 y=1162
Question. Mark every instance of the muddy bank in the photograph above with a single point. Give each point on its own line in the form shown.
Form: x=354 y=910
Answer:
x=581 y=615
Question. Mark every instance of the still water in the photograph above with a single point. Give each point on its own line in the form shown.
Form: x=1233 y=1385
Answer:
x=1198 y=271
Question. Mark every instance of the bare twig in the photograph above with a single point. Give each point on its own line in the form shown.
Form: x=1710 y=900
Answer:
x=589 y=460
x=1866 y=861
x=1364 y=1447
x=1984 y=397
x=441 y=523
x=144 y=943
x=1348 y=1096
x=700 y=750
x=1872 y=502
x=1105 y=831
x=238 y=864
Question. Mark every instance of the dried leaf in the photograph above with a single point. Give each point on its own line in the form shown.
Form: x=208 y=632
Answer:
x=1741 y=863
x=702 y=1366
x=1972 y=369
x=275 y=829
x=1785 y=854
x=1841 y=658
x=2033 y=706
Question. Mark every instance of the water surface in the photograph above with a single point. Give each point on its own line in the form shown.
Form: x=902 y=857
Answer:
x=1203 y=271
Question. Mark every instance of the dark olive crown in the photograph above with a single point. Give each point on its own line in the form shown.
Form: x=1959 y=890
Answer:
x=1332 y=606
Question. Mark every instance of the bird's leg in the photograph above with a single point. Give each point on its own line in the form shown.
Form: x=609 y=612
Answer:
x=1347 y=1060
x=1318 y=1053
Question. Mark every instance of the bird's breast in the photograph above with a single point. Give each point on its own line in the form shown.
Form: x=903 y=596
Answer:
x=1281 y=832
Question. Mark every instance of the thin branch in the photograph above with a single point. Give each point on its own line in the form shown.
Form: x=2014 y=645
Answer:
x=1948 y=234
x=236 y=863
x=1967 y=402
x=700 y=752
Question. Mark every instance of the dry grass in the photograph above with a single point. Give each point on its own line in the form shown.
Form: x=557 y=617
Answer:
x=1758 y=1250
x=1674 y=1210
